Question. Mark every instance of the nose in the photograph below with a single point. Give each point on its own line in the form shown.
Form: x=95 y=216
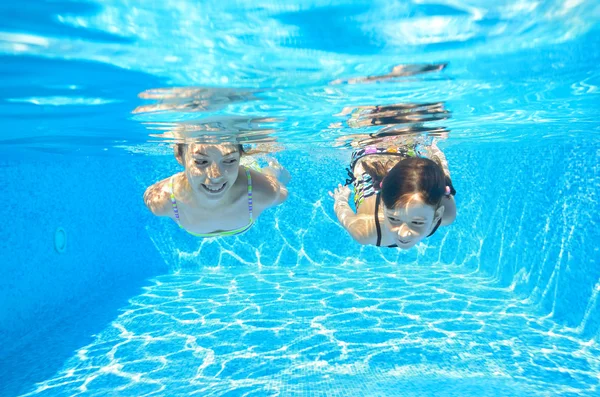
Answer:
x=404 y=231
x=214 y=171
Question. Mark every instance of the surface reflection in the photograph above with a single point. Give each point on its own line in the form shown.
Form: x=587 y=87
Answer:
x=192 y=99
x=397 y=71
x=396 y=121
x=195 y=114
x=217 y=129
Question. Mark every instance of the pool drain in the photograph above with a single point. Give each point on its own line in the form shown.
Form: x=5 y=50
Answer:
x=60 y=240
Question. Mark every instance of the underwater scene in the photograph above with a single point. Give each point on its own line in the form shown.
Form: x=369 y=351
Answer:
x=300 y=198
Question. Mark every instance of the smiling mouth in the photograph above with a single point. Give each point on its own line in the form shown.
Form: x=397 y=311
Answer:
x=214 y=189
x=403 y=242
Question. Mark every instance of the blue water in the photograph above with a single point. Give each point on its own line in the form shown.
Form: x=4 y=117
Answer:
x=502 y=303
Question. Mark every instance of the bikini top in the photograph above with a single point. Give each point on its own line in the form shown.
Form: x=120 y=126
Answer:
x=377 y=200
x=219 y=233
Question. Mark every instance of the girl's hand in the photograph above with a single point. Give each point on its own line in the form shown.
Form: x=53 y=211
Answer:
x=341 y=193
x=277 y=170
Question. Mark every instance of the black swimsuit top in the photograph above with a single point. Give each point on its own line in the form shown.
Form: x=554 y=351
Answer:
x=377 y=200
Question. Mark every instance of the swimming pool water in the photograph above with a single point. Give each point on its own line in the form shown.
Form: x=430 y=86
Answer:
x=503 y=303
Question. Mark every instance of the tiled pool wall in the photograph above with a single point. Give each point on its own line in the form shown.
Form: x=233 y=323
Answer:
x=538 y=224
x=107 y=258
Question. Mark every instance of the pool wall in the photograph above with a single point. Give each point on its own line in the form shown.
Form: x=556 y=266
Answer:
x=52 y=302
x=534 y=211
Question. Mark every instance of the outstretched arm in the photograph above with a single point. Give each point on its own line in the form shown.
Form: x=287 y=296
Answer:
x=269 y=188
x=438 y=156
x=277 y=171
x=448 y=202
x=358 y=227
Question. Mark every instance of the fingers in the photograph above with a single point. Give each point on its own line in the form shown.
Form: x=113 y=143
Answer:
x=335 y=192
x=340 y=192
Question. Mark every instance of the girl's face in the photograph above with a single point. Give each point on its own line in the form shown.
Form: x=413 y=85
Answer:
x=410 y=223
x=211 y=169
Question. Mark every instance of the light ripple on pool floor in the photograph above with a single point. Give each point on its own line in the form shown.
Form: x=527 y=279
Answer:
x=414 y=331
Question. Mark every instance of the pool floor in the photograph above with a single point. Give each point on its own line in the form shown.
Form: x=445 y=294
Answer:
x=346 y=330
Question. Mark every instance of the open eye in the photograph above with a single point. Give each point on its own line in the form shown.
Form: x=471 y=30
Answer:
x=201 y=163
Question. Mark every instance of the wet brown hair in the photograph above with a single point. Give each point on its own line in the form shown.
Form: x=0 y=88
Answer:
x=180 y=149
x=413 y=175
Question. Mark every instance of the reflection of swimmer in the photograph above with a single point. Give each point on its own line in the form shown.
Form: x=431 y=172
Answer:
x=403 y=194
x=192 y=99
x=402 y=113
x=397 y=71
x=390 y=134
x=217 y=130
x=215 y=195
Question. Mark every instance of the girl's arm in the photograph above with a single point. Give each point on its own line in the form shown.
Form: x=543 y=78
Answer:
x=279 y=178
x=438 y=156
x=268 y=190
x=157 y=199
x=448 y=202
x=358 y=227
x=277 y=171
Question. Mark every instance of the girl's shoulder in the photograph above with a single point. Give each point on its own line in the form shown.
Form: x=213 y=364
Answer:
x=266 y=189
x=363 y=230
x=157 y=197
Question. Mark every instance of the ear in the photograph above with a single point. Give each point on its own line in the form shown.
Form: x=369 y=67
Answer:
x=439 y=213
x=179 y=149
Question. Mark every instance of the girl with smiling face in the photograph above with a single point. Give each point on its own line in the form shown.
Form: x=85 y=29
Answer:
x=215 y=195
x=401 y=196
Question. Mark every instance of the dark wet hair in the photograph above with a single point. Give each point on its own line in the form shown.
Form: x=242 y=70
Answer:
x=413 y=175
